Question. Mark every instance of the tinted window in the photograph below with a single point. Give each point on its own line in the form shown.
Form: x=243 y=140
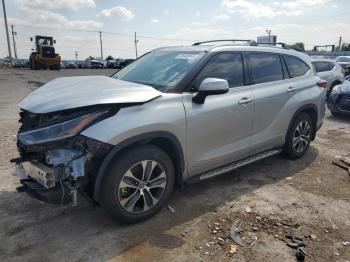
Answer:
x=265 y=67
x=331 y=65
x=227 y=66
x=321 y=66
x=296 y=67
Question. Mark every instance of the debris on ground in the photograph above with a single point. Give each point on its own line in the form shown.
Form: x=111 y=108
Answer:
x=313 y=236
x=190 y=227
x=343 y=163
x=248 y=210
x=346 y=243
x=299 y=244
x=235 y=233
x=171 y=209
x=233 y=249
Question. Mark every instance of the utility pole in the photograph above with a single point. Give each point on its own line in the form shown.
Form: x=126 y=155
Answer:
x=7 y=31
x=101 y=44
x=340 y=40
x=268 y=31
x=76 y=55
x=136 y=41
x=14 y=41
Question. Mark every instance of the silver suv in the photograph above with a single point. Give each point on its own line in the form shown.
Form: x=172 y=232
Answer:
x=175 y=116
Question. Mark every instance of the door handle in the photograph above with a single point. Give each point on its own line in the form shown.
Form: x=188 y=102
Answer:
x=245 y=100
x=291 y=89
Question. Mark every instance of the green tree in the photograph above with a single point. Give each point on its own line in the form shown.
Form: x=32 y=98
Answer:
x=109 y=58
x=345 y=47
x=299 y=46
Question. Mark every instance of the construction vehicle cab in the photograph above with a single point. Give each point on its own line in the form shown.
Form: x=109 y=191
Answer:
x=44 y=55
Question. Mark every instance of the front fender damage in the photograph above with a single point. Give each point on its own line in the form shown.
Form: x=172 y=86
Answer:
x=59 y=172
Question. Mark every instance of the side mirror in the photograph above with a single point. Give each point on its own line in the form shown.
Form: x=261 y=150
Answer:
x=210 y=86
x=31 y=39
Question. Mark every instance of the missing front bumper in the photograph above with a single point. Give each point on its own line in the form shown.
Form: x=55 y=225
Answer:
x=55 y=195
x=39 y=182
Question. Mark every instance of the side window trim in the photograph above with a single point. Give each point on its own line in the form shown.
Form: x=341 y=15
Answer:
x=286 y=73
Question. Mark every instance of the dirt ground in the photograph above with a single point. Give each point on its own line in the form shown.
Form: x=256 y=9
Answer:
x=308 y=198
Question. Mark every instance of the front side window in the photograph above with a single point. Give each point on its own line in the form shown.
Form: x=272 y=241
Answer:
x=321 y=66
x=265 y=67
x=296 y=67
x=227 y=66
x=162 y=70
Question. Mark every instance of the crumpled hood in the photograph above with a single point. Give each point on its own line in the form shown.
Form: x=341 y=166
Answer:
x=73 y=92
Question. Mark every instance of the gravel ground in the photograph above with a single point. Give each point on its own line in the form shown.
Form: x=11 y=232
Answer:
x=308 y=198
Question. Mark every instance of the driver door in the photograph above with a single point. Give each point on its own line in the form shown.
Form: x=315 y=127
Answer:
x=219 y=131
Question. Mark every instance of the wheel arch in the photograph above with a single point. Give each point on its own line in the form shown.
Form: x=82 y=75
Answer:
x=164 y=140
x=312 y=111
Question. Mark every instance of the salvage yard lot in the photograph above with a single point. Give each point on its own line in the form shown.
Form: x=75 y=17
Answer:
x=268 y=200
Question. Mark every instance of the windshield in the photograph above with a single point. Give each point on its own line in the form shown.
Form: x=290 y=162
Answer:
x=162 y=70
x=343 y=59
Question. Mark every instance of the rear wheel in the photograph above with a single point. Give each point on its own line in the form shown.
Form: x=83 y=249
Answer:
x=138 y=184
x=299 y=136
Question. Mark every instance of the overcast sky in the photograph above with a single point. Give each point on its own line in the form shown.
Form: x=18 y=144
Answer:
x=74 y=23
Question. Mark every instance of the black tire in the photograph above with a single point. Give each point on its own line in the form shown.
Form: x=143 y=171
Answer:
x=110 y=200
x=291 y=150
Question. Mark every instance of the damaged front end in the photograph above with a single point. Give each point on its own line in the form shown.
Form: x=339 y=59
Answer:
x=56 y=162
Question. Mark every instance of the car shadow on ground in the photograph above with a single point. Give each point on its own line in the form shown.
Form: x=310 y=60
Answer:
x=40 y=231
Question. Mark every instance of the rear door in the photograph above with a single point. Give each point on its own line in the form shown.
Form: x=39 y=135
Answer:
x=271 y=93
x=218 y=131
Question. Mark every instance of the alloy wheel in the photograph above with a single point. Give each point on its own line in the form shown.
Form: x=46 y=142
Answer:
x=142 y=186
x=301 y=136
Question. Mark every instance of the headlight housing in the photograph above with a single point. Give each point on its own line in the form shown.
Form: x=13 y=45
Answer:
x=59 y=131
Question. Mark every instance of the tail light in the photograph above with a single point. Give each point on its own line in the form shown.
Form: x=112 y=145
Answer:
x=322 y=84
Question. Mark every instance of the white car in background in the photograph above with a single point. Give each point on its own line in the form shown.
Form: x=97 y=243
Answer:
x=330 y=71
x=344 y=61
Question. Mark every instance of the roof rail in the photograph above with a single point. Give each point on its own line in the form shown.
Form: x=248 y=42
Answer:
x=283 y=45
x=250 y=42
x=223 y=40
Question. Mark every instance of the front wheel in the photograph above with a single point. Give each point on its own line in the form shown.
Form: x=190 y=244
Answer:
x=299 y=136
x=138 y=184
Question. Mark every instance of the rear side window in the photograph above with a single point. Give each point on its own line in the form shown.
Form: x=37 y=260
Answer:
x=265 y=67
x=227 y=66
x=321 y=66
x=296 y=67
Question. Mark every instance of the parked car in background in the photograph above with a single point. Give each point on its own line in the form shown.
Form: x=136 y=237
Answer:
x=71 y=65
x=95 y=64
x=113 y=63
x=330 y=71
x=339 y=100
x=124 y=62
x=175 y=116
x=20 y=63
x=344 y=61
